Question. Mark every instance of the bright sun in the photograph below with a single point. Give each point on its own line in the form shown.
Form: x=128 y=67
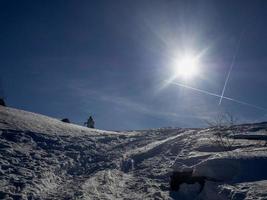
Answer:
x=187 y=67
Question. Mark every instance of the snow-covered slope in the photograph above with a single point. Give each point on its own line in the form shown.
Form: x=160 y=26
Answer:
x=44 y=158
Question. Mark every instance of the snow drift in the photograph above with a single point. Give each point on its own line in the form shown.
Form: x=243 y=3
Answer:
x=44 y=158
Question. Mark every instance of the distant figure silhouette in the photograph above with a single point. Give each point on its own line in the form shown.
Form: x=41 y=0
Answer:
x=90 y=122
x=2 y=102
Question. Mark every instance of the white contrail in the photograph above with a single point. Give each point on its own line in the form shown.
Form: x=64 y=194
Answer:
x=231 y=67
x=219 y=96
x=196 y=89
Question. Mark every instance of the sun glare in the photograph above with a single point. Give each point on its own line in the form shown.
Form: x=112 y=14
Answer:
x=186 y=67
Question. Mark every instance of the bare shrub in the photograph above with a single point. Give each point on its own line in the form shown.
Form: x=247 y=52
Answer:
x=222 y=128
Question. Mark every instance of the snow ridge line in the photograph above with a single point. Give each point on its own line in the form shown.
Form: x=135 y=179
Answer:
x=155 y=144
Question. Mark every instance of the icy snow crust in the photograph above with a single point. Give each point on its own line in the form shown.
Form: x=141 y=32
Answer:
x=44 y=158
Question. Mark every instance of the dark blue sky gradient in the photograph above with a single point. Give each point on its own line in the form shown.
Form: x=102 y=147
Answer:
x=110 y=59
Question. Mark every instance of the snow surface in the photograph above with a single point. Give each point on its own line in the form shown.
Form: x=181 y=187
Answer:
x=44 y=158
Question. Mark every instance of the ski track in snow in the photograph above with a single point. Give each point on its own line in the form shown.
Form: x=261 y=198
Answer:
x=44 y=158
x=155 y=144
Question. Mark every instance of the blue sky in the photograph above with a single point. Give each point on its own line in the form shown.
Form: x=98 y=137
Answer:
x=110 y=59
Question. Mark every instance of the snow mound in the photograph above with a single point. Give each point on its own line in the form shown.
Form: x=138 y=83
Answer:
x=44 y=158
x=11 y=118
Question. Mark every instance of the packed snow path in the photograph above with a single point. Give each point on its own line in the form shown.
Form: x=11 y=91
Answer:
x=44 y=158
